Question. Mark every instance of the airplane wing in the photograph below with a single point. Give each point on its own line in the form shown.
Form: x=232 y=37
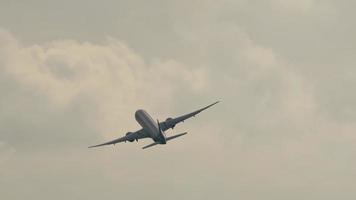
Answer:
x=172 y=122
x=122 y=139
x=130 y=136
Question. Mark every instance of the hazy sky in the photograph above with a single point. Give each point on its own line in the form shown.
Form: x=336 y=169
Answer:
x=72 y=74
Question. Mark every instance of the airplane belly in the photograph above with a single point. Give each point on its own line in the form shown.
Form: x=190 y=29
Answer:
x=147 y=123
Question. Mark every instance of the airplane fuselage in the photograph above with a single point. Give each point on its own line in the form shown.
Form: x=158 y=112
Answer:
x=150 y=126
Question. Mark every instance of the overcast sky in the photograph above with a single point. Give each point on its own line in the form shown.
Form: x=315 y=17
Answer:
x=72 y=74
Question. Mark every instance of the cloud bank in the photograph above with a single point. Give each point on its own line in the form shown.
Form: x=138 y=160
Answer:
x=284 y=130
x=97 y=84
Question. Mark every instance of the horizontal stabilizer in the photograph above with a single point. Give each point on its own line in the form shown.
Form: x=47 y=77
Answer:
x=175 y=136
x=150 y=145
x=168 y=138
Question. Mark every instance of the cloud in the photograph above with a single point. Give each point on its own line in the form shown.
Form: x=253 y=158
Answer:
x=269 y=138
x=59 y=82
x=274 y=124
x=294 y=5
x=6 y=152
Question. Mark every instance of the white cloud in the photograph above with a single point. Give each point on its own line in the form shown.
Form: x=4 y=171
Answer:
x=110 y=75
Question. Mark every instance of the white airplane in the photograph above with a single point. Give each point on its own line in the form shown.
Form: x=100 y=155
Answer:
x=153 y=130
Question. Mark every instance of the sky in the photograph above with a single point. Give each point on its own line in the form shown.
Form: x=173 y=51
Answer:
x=72 y=74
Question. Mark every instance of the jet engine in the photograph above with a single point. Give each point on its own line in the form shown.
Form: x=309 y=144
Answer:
x=168 y=123
x=130 y=139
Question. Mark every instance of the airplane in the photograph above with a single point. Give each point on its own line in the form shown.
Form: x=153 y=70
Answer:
x=154 y=130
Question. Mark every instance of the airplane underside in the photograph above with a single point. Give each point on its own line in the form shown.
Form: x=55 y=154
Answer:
x=154 y=130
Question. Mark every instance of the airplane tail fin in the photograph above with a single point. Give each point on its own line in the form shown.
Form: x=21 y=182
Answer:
x=159 y=127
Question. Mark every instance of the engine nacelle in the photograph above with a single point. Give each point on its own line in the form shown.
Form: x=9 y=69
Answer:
x=130 y=139
x=168 y=123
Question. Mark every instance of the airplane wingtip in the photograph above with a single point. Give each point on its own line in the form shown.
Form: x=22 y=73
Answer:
x=96 y=146
x=215 y=103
